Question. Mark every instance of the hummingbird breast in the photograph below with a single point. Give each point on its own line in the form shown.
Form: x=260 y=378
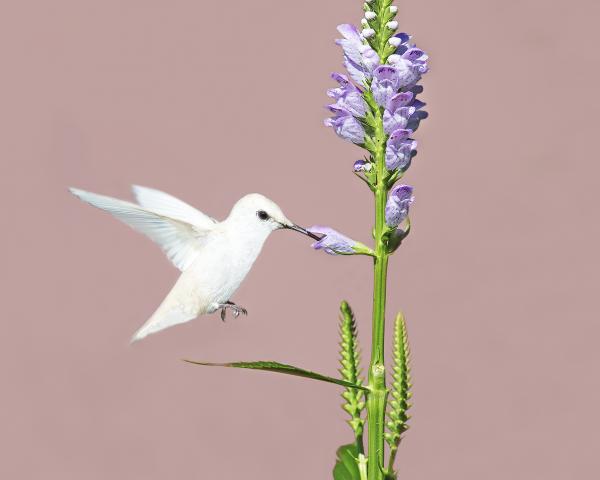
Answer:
x=221 y=267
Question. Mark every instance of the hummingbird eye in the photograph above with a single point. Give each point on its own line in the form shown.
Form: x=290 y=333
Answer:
x=262 y=215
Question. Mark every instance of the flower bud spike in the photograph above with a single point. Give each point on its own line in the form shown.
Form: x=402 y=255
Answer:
x=400 y=391
x=350 y=370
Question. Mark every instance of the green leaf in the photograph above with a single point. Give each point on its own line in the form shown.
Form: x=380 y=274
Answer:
x=269 y=366
x=346 y=465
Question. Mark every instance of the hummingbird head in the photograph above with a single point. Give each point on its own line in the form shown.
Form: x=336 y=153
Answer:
x=260 y=213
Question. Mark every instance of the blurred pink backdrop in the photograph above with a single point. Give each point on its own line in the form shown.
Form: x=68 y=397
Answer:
x=211 y=100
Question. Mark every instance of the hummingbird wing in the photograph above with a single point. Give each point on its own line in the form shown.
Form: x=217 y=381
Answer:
x=179 y=239
x=169 y=206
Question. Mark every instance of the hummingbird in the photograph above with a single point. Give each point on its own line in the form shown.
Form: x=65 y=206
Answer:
x=213 y=257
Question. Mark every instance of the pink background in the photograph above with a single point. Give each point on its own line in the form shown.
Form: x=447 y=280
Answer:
x=211 y=100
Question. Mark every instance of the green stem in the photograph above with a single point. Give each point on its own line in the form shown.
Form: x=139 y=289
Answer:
x=377 y=396
x=358 y=438
x=392 y=459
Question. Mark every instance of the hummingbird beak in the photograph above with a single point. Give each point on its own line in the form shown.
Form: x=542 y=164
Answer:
x=299 y=229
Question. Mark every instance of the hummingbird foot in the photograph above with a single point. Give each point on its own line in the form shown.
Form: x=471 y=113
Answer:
x=236 y=309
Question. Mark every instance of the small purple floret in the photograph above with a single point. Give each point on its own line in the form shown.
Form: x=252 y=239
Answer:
x=362 y=166
x=398 y=203
x=399 y=148
x=348 y=96
x=345 y=125
x=386 y=82
x=410 y=61
x=333 y=242
x=359 y=58
x=397 y=119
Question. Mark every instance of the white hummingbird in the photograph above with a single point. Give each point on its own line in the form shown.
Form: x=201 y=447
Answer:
x=214 y=257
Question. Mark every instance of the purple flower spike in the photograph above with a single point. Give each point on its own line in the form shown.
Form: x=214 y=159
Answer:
x=345 y=125
x=386 y=82
x=333 y=242
x=399 y=149
x=398 y=203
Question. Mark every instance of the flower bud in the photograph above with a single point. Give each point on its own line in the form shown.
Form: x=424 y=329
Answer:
x=368 y=32
x=394 y=9
x=362 y=166
x=370 y=15
x=393 y=25
x=395 y=42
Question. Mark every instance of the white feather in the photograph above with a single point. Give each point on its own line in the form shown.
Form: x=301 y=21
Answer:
x=169 y=206
x=161 y=320
x=180 y=240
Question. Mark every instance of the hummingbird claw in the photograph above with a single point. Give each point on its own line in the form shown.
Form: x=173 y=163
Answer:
x=236 y=309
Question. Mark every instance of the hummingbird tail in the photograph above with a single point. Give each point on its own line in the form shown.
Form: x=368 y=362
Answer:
x=162 y=319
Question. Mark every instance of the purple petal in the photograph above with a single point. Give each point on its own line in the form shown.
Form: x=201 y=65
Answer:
x=370 y=59
x=399 y=157
x=414 y=54
x=402 y=194
x=404 y=37
x=355 y=104
x=348 y=96
x=408 y=72
x=418 y=104
x=345 y=125
x=399 y=100
x=359 y=58
x=397 y=120
x=344 y=81
x=399 y=149
x=349 y=32
x=358 y=73
x=333 y=242
x=415 y=119
x=398 y=136
x=385 y=84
